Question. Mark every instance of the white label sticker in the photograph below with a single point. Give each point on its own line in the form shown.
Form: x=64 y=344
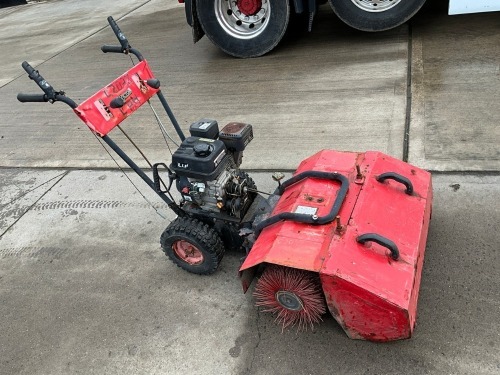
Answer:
x=204 y=125
x=306 y=210
x=103 y=109
x=219 y=158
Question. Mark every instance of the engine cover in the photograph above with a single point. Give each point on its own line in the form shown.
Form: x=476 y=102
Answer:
x=200 y=158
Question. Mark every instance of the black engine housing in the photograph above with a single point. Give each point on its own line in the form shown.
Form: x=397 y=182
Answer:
x=200 y=158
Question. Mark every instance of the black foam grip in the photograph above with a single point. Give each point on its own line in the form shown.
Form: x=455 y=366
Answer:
x=112 y=49
x=119 y=34
x=25 y=98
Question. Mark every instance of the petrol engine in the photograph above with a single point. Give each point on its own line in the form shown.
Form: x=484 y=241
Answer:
x=207 y=166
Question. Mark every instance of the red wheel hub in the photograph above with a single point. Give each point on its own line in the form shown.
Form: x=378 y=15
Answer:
x=249 y=7
x=187 y=252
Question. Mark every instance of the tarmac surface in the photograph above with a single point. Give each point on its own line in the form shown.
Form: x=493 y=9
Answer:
x=84 y=286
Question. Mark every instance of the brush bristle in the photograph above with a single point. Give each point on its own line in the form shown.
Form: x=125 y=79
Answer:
x=305 y=285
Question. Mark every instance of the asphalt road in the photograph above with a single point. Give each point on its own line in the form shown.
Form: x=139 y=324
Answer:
x=84 y=286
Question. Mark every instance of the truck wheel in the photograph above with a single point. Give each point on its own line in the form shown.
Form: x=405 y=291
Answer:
x=375 y=15
x=244 y=28
x=192 y=245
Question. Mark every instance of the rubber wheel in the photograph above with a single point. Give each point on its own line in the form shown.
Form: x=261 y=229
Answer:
x=375 y=15
x=244 y=28
x=192 y=245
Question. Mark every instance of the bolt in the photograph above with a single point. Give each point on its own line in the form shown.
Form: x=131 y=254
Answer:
x=339 y=224
x=359 y=176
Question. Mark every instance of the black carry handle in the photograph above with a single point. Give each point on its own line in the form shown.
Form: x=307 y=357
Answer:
x=397 y=177
x=27 y=98
x=119 y=34
x=382 y=241
x=40 y=81
x=305 y=218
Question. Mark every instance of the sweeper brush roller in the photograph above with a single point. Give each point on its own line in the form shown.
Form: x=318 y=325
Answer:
x=293 y=295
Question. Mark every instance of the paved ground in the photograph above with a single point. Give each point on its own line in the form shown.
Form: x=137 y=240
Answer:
x=84 y=287
x=455 y=86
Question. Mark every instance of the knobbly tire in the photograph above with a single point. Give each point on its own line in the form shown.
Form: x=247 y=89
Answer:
x=228 y=27
x=192 y=245
x=369 y=15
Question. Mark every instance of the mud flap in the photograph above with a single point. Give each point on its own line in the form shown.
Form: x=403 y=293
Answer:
x=246 y=277
x=192 y=15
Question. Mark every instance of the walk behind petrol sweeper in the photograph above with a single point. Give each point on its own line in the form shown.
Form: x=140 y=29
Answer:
x=347 y=233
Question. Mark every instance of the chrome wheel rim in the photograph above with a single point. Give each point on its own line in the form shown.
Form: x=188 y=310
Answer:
x=376 y=5
x=233 y=19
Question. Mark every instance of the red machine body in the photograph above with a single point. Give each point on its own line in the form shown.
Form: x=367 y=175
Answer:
x=370 y=259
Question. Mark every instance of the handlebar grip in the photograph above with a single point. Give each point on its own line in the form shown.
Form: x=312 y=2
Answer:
x=28 y=68
x=112 y=49
x=40 y=81
x=25 y=98
x=119 y=34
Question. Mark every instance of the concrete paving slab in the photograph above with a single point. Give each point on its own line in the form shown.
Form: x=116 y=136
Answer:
x=20 y=190
x=350 y=95
x=40 y=30
x=455 y=114
x=88 y=291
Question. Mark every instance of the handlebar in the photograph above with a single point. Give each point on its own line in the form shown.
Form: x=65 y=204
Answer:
x=124 y=46
x=41 y=98
x=27 y=98
x=112 y=49
x=40 y=81
x=50 y=95
x=119 y=34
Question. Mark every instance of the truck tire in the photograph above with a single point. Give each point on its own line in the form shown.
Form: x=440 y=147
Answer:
x=375 y=15
x=244 y=28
